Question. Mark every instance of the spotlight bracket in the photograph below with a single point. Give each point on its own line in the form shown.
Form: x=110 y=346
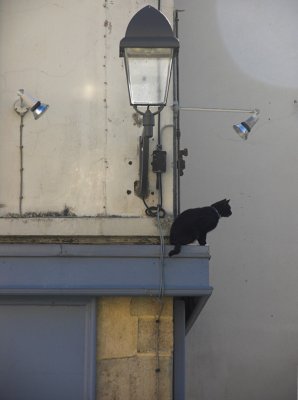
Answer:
x=20 y=108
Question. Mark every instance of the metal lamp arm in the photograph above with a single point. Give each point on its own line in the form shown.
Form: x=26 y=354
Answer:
x=177 y=108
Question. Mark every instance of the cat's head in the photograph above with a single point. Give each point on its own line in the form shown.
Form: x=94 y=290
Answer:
x=223 y=207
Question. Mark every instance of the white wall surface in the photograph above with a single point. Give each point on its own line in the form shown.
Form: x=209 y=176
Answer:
x=244 y=54
x=78 y=154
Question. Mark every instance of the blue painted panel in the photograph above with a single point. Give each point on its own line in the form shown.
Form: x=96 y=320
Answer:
x=46 y=350
x=102 y=269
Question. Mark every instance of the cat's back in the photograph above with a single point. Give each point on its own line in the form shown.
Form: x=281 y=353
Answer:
x=186 y=219
x=191 y=215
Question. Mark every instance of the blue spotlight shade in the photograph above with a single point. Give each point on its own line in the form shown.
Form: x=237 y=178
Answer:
x=38 y=109
x=242 y=129
x=245 y=127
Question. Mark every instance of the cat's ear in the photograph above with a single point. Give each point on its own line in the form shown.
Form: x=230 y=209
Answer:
x=228 y=200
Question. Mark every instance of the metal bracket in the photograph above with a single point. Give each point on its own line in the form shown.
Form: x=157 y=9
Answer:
x=141 y=186
x=181 y=161
x=20 y=108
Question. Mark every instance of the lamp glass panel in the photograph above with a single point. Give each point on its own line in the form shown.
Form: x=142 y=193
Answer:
x=148 y=74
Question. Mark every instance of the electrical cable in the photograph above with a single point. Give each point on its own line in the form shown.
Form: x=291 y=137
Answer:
x=21 y=167
x=161 y=258
x=159 y=213
x=21 y=110
x=152 y=211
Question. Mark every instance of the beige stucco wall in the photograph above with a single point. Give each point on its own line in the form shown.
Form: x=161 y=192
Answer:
x=82 y=155
x=131 y=345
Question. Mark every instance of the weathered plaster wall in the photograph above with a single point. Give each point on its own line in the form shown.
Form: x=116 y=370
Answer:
x=128 y=337
x=82 y=155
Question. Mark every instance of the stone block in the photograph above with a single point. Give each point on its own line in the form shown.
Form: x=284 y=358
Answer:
x=147 y=335
x=150 y=306
x=116 y=328
x=134 y=379
x=126 y=349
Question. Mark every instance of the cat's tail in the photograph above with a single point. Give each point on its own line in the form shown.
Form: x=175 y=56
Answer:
x=176 y=250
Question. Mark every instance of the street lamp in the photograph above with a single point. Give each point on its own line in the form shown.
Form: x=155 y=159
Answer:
x=148 y=48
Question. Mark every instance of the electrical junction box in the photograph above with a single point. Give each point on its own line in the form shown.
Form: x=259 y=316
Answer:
x=159 y=161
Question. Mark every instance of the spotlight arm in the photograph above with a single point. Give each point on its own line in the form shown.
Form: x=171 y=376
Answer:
x=19 y=106
x=177 y=108
x=242 y=129
x=220 y=110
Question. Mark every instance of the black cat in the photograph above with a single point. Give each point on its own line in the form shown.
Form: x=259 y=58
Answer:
x=195 y=223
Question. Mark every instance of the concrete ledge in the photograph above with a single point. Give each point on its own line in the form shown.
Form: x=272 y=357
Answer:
x=94 y=226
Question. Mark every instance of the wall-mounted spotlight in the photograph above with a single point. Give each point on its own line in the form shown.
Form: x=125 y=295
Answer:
x=243 y=128
x=27 y=102
x=148 y=48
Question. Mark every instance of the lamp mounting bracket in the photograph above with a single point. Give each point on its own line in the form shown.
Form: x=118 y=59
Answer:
x=160 y=108
x=20 y=108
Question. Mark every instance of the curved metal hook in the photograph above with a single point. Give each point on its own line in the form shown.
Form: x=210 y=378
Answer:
x=160 y=108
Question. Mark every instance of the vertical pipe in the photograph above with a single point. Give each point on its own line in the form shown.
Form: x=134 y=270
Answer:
x=21 y=196
x=177 y=132
x=21 y=110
